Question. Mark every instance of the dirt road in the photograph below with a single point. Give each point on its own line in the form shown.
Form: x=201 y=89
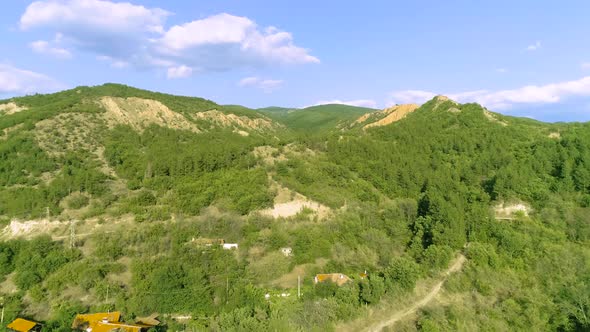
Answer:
x=399 y=315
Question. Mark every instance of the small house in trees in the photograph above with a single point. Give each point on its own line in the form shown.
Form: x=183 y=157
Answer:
x=229 y=246
x=337 y=278
x=23 y=325
x=287 y=251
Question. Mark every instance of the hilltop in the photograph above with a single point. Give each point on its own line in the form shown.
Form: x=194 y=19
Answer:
x=119 y=198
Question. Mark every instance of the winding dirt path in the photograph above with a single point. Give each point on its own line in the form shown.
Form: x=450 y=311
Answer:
x=399 y=315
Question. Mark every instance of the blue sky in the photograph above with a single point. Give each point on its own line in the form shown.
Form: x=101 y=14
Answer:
x=526 y=58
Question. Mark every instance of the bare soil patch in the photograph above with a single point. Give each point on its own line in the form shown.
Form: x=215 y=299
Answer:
x=393 y=114
x=237 y=122
x=289 y=209
x=8 y=286
x=139 y=113
x=288 y=203
x=11 y=108
x=508 y=210
x=29 y=228
x=440 y=99
x=492 y=117
x=364 y=117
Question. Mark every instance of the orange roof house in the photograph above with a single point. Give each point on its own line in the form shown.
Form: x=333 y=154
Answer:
x=23 y=325
x=337 y=278
x=107 y=322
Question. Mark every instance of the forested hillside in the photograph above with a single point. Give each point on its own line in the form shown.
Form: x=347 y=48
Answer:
x=313 y=118
x=114 y=198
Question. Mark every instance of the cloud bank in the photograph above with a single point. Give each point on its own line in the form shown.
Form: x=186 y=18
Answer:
x=179 y=72
x=358 y=102
x=135 y=35
x=266 y=85
x=15 y=80
x=504 y=99
x=45 y=47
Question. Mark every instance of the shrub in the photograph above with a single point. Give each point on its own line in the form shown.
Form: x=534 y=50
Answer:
x=77 y=201
x=402 y=273
x=436 y=257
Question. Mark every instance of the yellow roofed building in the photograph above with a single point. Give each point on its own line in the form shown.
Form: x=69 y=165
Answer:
x=107 y=322
x=23 y=325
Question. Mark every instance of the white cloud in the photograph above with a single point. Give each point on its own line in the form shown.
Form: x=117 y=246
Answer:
x=534 y=47
x=133 y=34
x=359 y=102
x=248 y=81
x=585 y=65
x=266 y=85
x=505 y=99
x=179 y=72
x=44 y=47
x=501 y=70
x=410 y=97
x=119 y=31
x=114 y=62
x=222 y=41
x=92 y=14
x=119 y=64
x=16 y=80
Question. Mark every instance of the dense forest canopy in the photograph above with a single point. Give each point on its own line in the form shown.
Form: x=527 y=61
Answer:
x=105 y=215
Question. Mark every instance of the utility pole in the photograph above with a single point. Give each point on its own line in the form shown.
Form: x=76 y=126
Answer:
x=72 y=235
x=298 y=286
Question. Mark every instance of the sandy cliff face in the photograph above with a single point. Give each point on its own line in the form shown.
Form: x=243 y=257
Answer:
x=394 y=114
x=221 y=119
x=139 y=113
x=386 y=116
